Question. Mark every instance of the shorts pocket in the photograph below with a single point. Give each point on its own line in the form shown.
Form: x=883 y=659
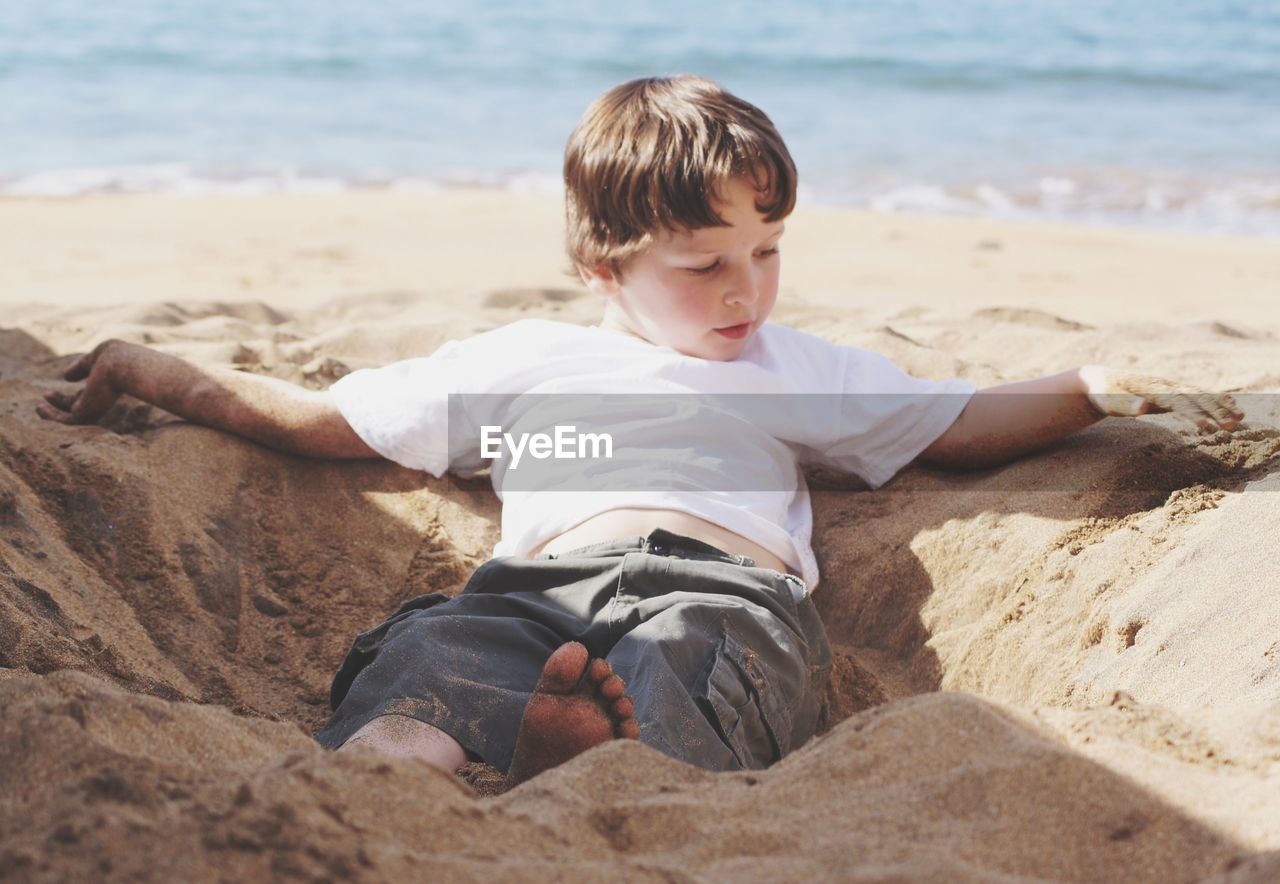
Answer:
x=743 y=705
x=799 y=589
x=791 y=589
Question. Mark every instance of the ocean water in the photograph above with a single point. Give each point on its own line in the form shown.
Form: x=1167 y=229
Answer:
x=1162 y=113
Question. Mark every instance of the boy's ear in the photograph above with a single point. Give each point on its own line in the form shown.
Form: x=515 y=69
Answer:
x=599 y=279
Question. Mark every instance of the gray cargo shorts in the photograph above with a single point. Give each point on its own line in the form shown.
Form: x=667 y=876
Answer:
x=727 y=670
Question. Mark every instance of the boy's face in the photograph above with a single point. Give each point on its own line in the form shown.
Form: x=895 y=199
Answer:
x=703 y=292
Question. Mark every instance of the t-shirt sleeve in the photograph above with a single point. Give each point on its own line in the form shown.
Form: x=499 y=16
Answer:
x=411 y=411
x=884 y=417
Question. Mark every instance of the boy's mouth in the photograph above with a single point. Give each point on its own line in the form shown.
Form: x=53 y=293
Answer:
x=735 y=332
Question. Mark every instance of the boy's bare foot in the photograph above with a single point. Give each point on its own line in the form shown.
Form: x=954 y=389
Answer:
x=578 y=704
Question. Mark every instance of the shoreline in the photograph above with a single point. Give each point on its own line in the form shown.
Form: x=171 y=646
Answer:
x=1227 y=200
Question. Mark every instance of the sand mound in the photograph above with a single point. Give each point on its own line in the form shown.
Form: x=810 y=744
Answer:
x=1066 y=668
x=944 y=786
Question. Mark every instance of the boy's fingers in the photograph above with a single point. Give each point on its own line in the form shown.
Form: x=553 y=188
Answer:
x=49 y=413
x=57 y=406
x=92 y=403
x=1227 y=403
x=79 y=370
x=60 y=400
x=1221 y=412
x=85 y=406
x=1208 y=412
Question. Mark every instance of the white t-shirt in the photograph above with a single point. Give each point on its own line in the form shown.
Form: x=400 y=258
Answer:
x=723 y=441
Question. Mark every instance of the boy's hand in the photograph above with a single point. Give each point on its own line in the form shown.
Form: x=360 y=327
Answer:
x=263 y=409
x=1123 y=394
x=87 y=405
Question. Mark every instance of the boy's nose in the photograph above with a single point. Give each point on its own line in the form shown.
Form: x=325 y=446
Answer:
x=744 y=287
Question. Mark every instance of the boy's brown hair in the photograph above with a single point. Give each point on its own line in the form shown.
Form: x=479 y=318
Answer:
x=651 y=154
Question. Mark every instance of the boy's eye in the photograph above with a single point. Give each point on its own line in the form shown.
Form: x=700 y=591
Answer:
x=767 y=253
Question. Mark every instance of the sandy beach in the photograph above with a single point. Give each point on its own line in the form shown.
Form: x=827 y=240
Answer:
x=1064 y=669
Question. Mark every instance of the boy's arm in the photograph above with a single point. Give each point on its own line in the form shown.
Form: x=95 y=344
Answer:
x=1005 y=422
x=266 y=410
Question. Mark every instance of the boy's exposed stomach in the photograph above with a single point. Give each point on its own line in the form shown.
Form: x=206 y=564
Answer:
x=623 y=523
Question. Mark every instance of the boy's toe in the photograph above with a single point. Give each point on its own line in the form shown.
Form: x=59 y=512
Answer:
x=599 y=670
x=612 y=688
x=563 y=669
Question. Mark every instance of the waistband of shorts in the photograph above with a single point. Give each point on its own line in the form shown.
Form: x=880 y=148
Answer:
x=660 y=542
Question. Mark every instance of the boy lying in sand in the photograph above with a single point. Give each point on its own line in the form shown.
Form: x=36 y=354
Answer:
x=681 y=617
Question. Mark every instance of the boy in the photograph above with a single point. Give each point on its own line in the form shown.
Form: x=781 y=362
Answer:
x=678 y=614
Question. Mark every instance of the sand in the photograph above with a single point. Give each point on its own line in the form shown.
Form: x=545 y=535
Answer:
x=1064 y=669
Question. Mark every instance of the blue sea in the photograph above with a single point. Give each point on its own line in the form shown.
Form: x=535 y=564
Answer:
x=1157 y=113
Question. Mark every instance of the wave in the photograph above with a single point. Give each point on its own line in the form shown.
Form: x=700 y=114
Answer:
x=421 y=62
x=1242 y=204
x=961 y=75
